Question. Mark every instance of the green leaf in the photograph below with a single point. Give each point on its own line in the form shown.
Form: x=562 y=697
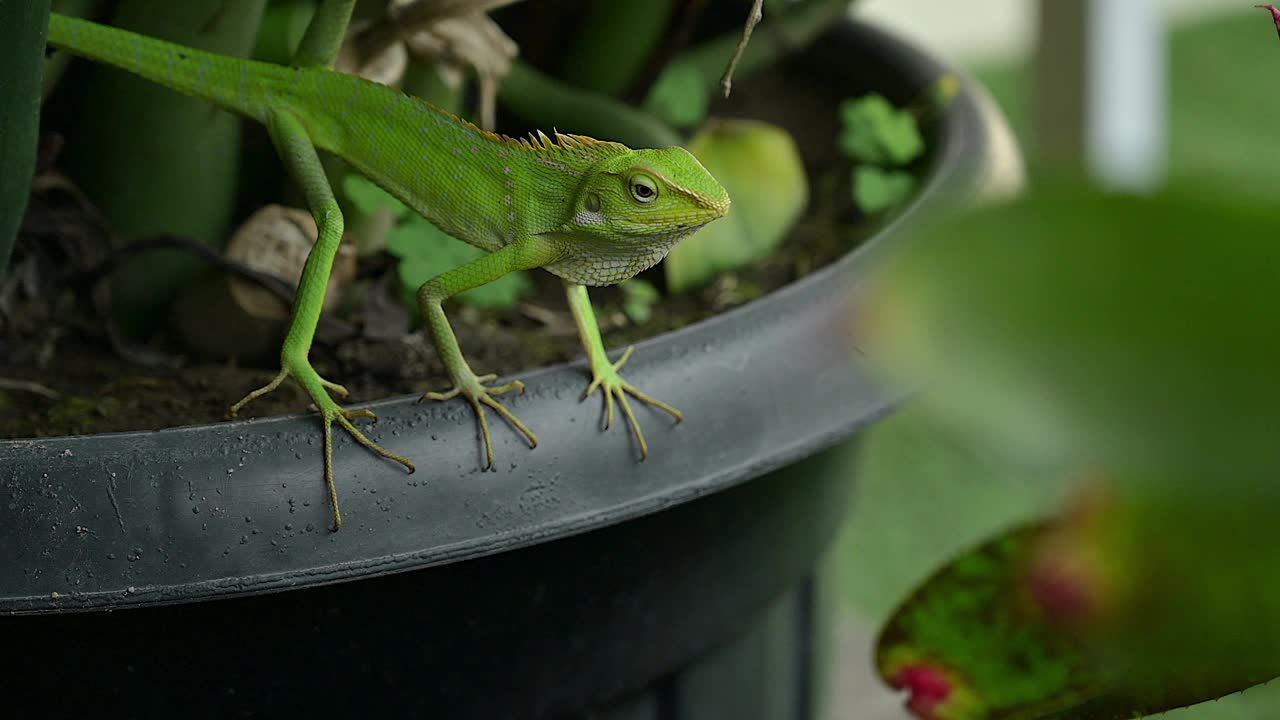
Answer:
x=22 y=34
x=426 y=251
x=679 y=97
x=368 y=198
x=877 y=133
x=761 y=169
x=875 y=189
x=1131 y=339
x=639 y=297
x=1071 y=317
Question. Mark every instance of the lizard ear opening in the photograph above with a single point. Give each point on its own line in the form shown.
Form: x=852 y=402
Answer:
x=592 y=203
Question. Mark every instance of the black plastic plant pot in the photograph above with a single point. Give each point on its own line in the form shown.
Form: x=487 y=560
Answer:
x=190 y=572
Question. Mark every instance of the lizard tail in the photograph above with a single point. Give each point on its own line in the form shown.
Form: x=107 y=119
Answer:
x=233 y=84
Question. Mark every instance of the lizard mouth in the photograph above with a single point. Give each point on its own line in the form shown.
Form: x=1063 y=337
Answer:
x=707 y=208
x=717 y=208
x=679 y=223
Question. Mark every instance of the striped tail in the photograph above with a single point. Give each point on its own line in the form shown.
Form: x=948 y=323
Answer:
x=234 y=84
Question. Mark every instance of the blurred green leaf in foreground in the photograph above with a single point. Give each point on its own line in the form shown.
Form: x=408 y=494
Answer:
x=1136 y=342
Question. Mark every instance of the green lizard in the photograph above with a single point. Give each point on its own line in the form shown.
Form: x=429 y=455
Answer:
x=591 y=212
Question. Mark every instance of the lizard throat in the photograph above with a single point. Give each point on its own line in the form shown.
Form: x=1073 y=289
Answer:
x=600 y=266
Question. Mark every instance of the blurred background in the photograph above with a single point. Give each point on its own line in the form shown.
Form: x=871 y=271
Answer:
x=1138 y=94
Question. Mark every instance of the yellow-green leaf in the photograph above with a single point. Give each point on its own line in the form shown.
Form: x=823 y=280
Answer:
x=760 y=167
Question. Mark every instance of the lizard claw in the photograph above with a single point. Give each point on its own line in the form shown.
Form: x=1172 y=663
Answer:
x=330 y=412
x=609 y=380
x=473 y=389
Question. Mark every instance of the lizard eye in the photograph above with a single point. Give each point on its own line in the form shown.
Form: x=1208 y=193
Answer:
x=644 y=189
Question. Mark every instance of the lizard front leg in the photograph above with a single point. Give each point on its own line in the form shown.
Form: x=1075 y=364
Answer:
x=299 y=155
x=605 y=374
x=524 y=254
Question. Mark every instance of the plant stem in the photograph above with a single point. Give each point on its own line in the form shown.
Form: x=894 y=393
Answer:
x=614 y=42
x=544 y=101
x=753 y=19
x=780 y=35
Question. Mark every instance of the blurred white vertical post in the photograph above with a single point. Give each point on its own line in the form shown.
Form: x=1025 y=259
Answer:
x=1127 y=106
x=1101 y=90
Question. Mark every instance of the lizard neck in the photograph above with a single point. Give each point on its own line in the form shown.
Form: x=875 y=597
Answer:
x=597 y=263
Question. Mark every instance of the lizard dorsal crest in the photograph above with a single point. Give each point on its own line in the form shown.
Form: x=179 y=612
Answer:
x=587 y=148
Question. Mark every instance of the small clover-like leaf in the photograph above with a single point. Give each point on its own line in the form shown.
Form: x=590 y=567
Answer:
x=426 y=251
x=639 y=297
x=875 y=189
x=876 y=132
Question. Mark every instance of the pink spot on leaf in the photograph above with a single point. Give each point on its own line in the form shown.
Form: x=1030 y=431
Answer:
x=929 y=687
x=1065 y=589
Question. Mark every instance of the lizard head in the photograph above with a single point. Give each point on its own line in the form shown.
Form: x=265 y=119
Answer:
x=631 y=209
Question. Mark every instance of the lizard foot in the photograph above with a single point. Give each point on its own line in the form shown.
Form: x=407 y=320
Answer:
x=330 y=412
x=473 y=389
x=608 y=379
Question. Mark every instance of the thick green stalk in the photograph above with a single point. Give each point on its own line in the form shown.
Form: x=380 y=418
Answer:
x=156 y=161
x=615 y=41
x=284 y=22
x=22 y=32
x=424 y=80
x=320 y=44
x=546 y=102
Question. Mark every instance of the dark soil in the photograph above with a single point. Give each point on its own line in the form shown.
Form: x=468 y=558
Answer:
x=61 y=373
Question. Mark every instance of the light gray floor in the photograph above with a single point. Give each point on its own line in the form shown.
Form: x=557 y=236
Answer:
x=856 y=690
